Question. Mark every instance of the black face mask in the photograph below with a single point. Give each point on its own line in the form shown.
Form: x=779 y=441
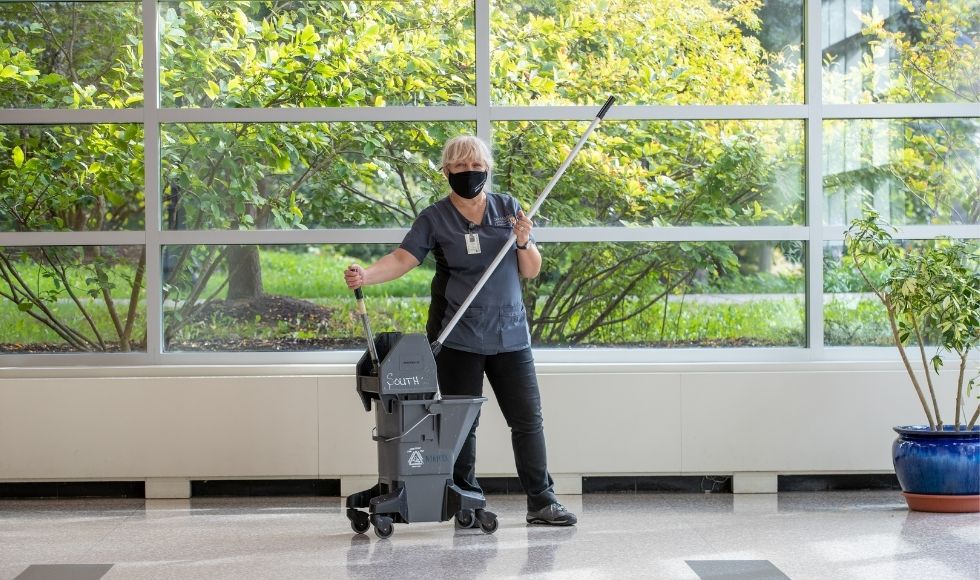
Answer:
x=468 y=184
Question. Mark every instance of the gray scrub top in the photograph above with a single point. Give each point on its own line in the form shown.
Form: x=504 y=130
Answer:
x=495 y=321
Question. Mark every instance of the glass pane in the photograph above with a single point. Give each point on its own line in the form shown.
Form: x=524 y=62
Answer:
x=72 y=299
x=669 y=52
x=657 y=172
x=284 y=298
x=853 y=314
x=281 y=298
x=905 y=51
x=77 y=55
x=677 y=294
x=301 y=175
x=316 y=54
x=912 y=171
x=71 y=177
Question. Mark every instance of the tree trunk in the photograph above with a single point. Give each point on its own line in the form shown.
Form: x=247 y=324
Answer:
x=244 y=273
x=764 y=255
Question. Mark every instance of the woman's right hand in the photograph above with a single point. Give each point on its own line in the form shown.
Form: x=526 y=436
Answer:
x=354 y=276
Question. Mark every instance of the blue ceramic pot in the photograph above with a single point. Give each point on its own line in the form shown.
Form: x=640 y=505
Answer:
x=943 y=462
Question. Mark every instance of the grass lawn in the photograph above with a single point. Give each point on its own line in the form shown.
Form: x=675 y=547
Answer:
x=402 y=305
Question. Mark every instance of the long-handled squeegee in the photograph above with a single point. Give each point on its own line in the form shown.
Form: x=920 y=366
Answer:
x=437 y=344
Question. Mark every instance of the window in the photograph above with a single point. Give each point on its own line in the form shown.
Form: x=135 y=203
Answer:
x=853 y=315
x=76 y=55
x=663 y=173
x=316 y=54
x=912 y=171
x=646 y=53
x=279 y=141
x=71 y=177
x=279 y=298
x=300 y=175
x=900 y=51
x=72 y=299
x=677 y=294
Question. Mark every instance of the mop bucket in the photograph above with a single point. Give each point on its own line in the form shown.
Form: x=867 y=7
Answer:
x=419 y=437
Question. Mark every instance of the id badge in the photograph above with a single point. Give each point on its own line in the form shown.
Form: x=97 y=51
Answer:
x=472 y=243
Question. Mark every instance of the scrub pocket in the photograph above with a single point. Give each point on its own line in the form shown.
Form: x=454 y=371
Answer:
x=513 y=328
x=469 y=330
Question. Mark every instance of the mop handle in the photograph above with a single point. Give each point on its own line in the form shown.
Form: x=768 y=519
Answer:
x=437 y=345
x=362 y=312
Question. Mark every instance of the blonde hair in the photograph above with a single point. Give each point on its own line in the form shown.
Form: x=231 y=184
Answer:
x=466 y=148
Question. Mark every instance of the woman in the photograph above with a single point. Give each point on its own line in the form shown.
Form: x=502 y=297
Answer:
x=465 y=231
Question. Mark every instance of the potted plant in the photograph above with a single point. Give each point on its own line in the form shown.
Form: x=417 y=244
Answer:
x=931 y=296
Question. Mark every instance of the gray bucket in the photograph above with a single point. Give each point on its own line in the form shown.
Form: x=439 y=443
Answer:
x=423 y=437
x=419 y=437
x=418 y=442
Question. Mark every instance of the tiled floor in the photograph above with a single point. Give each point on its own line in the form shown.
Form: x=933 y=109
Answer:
x=827 y=535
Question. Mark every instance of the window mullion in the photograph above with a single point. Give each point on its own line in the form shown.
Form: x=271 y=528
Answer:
x=814 y=178
x=482 y=38
x=151 y=180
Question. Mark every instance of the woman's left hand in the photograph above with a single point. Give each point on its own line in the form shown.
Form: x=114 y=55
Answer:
x=522 y=228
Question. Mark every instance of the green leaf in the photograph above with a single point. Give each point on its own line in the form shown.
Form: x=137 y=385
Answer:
x=18 y=156
x=213 y=90
x=308 y=35
x=25 y=306
x=241 y=21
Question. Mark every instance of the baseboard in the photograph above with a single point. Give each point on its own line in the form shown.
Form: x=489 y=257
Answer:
x=72 y=489
x=491 y=485
x=839 y=482
x=657 y=484
x=264 y=487
x=501 y=485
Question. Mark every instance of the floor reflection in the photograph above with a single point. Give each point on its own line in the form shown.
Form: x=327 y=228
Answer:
x=413 y=556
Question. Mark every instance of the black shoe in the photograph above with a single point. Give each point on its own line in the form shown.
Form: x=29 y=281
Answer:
x=552 y=515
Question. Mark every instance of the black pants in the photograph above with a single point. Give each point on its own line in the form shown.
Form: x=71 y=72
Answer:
x=512 y=377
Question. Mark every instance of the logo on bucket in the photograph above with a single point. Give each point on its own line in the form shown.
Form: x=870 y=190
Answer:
x=415 y=458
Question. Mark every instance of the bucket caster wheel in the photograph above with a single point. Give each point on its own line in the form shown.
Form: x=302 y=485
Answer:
x=360 y=526
x=359 y=521
x=487 y=520
x=464 y=519
x=383 y=526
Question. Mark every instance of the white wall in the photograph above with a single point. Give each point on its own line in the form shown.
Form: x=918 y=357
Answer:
x=223 y=422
